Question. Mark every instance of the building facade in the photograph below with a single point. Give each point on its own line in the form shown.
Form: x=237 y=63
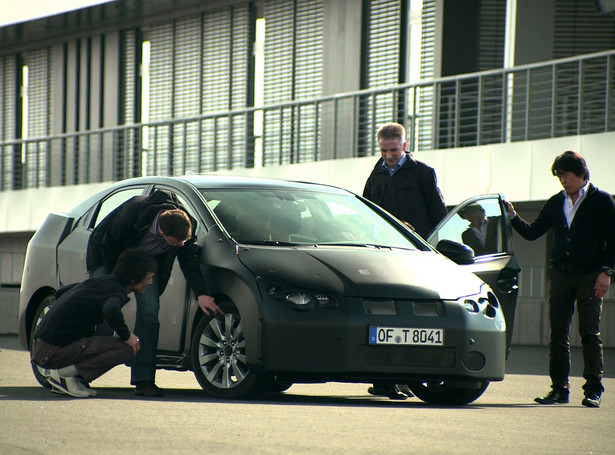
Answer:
x=489 y=90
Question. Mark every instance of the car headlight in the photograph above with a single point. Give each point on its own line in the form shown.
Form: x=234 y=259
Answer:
x=301 y=300
x=485 y=303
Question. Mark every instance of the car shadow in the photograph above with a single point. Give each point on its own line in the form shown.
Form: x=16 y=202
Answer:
x=42 y=394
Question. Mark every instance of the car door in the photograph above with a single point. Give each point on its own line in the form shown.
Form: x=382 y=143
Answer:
x=483 y=224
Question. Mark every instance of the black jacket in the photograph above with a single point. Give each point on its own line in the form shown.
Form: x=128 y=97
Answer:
x=588 y=244
x=80 y=307
x=126 y=226
x=410 y=194
x=470 y=238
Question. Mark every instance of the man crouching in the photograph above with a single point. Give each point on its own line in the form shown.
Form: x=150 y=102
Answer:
x=65 y=340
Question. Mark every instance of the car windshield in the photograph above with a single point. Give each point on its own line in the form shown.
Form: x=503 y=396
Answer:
x=300 y=217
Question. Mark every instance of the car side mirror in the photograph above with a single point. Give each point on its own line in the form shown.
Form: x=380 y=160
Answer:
x=455 y=251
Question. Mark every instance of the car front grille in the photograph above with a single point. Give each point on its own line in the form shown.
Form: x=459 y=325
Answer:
x=407 y=356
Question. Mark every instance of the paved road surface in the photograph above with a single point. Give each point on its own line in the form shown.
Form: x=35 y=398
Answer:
x=330 y=418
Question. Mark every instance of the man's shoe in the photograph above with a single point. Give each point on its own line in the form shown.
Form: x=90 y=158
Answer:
x=86 y=384
x=148 y=389
x=554 y=397
x=403 y=388
x=591 y=400
x=70 y=386
x=392 y=392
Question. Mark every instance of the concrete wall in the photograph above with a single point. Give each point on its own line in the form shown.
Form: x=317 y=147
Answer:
x=9 y=306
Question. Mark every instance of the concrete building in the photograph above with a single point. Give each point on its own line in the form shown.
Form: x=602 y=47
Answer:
x=490 y=91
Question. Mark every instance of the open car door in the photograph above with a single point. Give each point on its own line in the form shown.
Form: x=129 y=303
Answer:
x=482 y=223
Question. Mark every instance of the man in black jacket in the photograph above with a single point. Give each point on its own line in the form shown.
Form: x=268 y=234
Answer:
x=66 y=342
x=403 y=186
x=159 y=225
x=583 y=256
x=408 y=189
x=482 y=233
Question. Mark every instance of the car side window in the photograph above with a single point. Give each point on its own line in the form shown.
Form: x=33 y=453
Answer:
x=115 y=200
x=478 y=225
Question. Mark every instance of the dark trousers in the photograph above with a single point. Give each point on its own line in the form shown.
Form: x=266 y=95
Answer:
x=147 y=327
x=566 y=289
x=92 y=356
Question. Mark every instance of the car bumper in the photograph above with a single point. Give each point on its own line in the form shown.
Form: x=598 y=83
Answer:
x=332 y=344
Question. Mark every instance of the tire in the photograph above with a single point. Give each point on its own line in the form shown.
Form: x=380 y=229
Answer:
x=440 y=393
x=41 y=374
x=219 y=362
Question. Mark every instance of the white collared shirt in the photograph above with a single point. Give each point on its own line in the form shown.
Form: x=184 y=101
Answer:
x=570 y=209
x=399 y=164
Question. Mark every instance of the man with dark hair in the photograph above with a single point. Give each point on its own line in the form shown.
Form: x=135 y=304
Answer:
x=160 y=225
x=481 y=235
x=582 y=219
x=408 y=189
x=65 y=340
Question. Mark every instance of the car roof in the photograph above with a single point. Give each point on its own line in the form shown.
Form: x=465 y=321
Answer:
x=228 y=182
x=213 y=182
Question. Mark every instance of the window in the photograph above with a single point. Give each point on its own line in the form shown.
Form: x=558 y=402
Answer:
x=478 y=225
x=115 y=200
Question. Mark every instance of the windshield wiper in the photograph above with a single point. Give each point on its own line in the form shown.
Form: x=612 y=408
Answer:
x=360 y=245
x=272 y=242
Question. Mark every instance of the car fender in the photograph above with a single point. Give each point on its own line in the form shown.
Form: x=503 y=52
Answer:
x=45 y=242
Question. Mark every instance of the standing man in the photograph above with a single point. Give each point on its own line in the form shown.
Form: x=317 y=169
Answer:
x=403 y=186
x=159 y=225
x=583 y=256
x=65 y=340
x=408 y=189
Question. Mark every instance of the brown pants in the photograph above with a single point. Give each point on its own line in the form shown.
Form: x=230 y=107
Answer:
x=92 y=356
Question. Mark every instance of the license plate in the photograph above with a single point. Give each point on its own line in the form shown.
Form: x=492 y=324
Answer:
x=406 y=336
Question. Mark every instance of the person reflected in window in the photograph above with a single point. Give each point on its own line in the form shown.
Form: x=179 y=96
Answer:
x=481 y=234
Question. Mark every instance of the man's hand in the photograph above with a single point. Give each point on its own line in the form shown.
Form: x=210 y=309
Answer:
x=409 y=225
x=134 y=343
x=602 y=285
x=208 y=304
x=510 y=208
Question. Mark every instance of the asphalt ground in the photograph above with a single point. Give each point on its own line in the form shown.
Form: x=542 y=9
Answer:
x=334 y=418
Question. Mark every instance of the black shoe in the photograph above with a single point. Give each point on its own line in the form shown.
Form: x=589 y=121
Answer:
x=392 y=392
x=403 y=388
x=553 y=397
x=148 y=389
x=591 y=400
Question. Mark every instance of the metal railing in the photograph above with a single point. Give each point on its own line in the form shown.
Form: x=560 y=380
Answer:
x=564 y=97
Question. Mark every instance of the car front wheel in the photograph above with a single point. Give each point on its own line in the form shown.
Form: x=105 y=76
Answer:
x=41 y=374
x=219 y=359
x=450 y=394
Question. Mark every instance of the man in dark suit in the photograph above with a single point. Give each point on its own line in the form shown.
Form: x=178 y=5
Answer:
x=582 y=219
x=482 y=234
x=402 y=185
x=408 y=189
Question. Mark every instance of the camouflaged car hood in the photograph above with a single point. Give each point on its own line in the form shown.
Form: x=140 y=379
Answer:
x=362 y=271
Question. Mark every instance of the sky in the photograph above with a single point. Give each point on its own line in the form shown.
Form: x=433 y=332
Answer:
x=15 y=11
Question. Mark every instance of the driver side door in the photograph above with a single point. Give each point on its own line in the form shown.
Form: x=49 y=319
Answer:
x=483 y=224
